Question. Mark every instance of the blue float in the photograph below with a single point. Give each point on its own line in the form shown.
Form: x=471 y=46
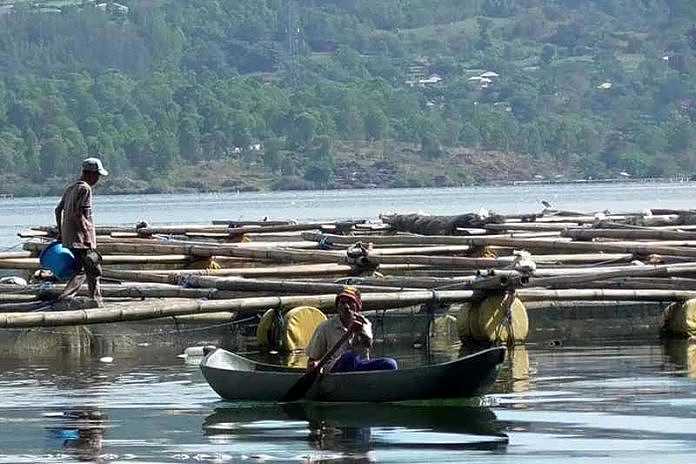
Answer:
x=59 y=260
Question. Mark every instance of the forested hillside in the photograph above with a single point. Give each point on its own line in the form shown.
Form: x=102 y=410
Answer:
x=237 y=94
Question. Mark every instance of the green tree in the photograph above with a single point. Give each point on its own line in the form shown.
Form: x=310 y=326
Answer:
x=31 y=156
x=430 y=146
x=321 y=167
x=190 y=136
x=321 y=173
x=548 y=54
x=303 y=130
x=53 y=157
x=376 y=124
x=680 y=133
x=271 y=154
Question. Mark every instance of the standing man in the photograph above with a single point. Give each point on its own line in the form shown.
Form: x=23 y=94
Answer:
x=77 y=232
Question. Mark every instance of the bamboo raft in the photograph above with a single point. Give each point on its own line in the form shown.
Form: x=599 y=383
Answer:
x=236 y=268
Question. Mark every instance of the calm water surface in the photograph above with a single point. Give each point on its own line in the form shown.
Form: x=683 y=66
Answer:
x=632 y=401
x=167 y=209
x=603 y=401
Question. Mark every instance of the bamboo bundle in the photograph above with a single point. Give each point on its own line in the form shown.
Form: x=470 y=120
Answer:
x=155 y=309
x=573 y=256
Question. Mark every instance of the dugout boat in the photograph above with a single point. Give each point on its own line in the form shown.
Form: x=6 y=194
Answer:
x=235 y=377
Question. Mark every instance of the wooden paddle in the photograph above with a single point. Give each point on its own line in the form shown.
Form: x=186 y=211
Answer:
x=302 y=386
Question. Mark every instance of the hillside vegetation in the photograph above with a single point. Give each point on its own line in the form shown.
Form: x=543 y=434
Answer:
x=246 y=94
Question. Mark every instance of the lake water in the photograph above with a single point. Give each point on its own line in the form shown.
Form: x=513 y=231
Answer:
x=606 y=401
x=597 y=402
x=20 y=213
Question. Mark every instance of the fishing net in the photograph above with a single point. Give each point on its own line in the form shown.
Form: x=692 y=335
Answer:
x=439 y=225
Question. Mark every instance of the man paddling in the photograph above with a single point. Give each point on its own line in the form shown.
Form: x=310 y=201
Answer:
x=77 y=232
x=355 y=354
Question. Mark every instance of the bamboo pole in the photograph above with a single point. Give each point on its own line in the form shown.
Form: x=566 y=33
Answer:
x=16 y=298
x=249 y=223
x=154 y=309
x=399 y=239
x=305 y=270
x=607 y=247
x=281 y=255
x=150 y=291
x=636 y=283
x=279 y=286
x=265 y=252
x=530 y=294
x=237 y=231
x=15 y=254
x=443 y=261
x=628 y=234
x=629 y=271
x=33 y=263
x=31 y=233
x=19 y=263
x=289 y=237
x=530 y=226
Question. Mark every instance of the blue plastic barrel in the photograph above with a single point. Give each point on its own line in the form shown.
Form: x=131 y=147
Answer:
x=59 y=260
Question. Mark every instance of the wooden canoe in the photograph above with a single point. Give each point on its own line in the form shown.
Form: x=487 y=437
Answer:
x=234 y=377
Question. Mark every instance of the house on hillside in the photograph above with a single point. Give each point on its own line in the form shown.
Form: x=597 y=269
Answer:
x=417 y=72
x=484 y=80
x=432 y=80
x=113 y=8
x=425 y=82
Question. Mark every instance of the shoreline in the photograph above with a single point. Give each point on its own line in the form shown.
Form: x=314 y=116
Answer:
x=105 y=190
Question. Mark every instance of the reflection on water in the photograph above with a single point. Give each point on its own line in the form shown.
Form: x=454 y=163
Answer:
x=516 y=371
x=360 y=428
x=79 y=432
x=629 y=401
x=682 y=352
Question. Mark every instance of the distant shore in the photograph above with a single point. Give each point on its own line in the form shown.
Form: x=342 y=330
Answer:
x=114 y=187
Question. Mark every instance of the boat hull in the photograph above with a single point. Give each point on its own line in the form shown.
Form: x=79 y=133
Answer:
x=234 y=377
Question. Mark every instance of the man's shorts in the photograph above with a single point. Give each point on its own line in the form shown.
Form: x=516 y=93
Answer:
x=88 y=260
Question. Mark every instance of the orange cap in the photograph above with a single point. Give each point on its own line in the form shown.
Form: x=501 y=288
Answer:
x=352 y=294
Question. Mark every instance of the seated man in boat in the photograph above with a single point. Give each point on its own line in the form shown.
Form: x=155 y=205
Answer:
x=354 y=355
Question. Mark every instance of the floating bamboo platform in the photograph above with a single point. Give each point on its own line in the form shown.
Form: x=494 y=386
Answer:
x=237 y=268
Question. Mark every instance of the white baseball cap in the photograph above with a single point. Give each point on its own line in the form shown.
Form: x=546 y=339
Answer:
x=94 y=165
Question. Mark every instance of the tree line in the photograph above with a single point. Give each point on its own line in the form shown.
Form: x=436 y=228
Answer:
x=602 y=85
